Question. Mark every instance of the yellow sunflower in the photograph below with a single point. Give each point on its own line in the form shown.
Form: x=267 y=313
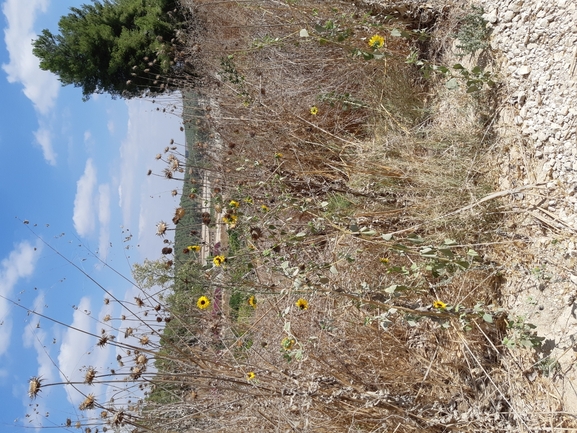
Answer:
x=252 y=301
x=234 y=203
x=314 y=110
x=377 y=41
x=193 y=248
x=250 y=375
x=439 y=305
x=264 y=208
x=203 y=302
x=230 y=220
x=303 y=304
x=218 y=260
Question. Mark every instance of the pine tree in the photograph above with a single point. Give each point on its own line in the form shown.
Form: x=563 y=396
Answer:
x=120 y=47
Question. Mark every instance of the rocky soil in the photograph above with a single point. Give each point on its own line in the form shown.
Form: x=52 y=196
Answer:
x=535 y=45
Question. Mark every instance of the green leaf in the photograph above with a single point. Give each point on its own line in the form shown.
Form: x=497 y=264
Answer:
x=472 y=253
x=488 y=318
x=458 y=66
x=387 y=237
x=396 y=33
x=447 y=252
x=416 y=239
x=303 y=33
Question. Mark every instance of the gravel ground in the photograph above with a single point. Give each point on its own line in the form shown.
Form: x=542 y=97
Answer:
x=535 y=45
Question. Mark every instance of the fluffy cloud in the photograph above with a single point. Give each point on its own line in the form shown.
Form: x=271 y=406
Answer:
x=104 y=220
x=75 y=348
x=79 y=349
x=41 y=87
x=20 y=263
x=142 y=197
x=83 y=216
x=36 y=337
x=44 y=139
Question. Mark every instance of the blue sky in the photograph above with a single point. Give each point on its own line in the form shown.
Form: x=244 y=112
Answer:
x=77 y=172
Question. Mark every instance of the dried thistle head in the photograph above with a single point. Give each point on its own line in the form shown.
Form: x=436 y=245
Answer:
x=144 y=340
x=128 y=332
x=158 y=156
x=106 y=301
x=137 y=371
x=78 y=424
x=103 y=340
x=161 y=228
x=118 y=418
x=89 y=376
x=104 y=414
x=88 y=402
x=106 y=318
x=139 y=302
x=68 y=422
x=34 y=386
x=141 y=359
x=174 y=193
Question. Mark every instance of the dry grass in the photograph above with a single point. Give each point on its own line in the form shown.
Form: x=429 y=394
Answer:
x=387 y=152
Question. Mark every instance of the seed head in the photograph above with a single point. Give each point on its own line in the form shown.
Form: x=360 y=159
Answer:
x=89 y=376
x=34 y=386
x=88 y=402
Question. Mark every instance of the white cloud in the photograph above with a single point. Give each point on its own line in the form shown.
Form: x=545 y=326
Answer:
x=87 y=136
x=83 y=216
x=36 y=337
x=78 y=351
x=104 y=220
x=20 y=263
x=41 y=87
x=111 y=126
x=146 y=200
x=75 y=348
x=44 y=139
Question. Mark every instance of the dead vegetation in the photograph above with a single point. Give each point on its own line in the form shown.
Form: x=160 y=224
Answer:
x=352 y=189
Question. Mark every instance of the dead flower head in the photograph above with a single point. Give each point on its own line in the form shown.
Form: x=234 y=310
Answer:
x=88 y=402
x=161 y=228
x=34 y=386
x=89 y=376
